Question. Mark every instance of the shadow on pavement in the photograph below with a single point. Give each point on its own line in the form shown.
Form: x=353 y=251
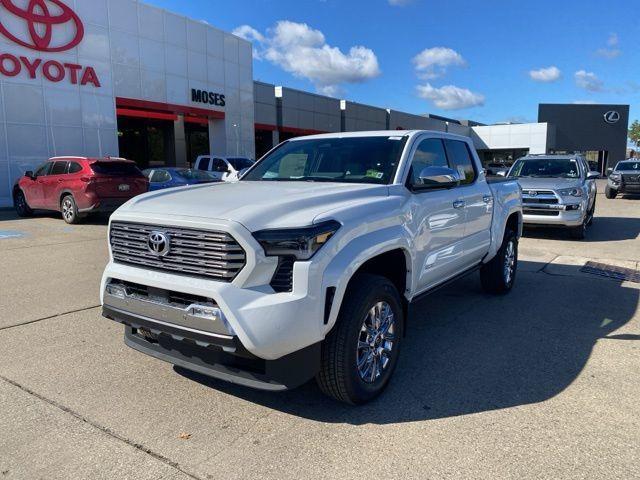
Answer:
x=94 y=219
x=604 y=229
x=467 y=352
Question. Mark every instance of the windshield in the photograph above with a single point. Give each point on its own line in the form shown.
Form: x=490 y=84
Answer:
x=239 y=163
x=344 y=160
x=546 y=168
x=191 y=174
x=628 y=166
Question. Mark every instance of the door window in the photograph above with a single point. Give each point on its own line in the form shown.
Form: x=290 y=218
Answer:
x=460 y=156
x=160 y=176
x=203 y=164
x=74 y=167
x=219 y=165
x=430 y=153
x=59 y=168
x=43 y=170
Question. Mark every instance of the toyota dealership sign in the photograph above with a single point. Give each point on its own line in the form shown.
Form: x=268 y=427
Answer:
x=43 y=26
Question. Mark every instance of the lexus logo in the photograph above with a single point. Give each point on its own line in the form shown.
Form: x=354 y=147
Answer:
x=159 y=243
x=612 y=117
x=42 y=17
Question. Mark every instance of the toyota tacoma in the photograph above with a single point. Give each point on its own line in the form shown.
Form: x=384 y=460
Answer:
x=307 y=266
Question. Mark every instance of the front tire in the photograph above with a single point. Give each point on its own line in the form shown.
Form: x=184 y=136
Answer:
x=69 y=210
x=610 y=193
x=579 y=232
x=499 y=275
x=20 y=204
x=361 y=352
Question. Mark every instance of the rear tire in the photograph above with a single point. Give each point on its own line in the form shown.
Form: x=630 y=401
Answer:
x=610 y=193
x=361 y=352
x=499 y=275
x=20 y=204
x=69 y=210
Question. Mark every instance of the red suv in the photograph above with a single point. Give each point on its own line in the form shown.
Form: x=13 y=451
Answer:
x=77 y=186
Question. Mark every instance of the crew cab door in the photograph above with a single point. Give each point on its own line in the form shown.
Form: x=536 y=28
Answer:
x=33 y=188
x=474 y=191
x=436 y=220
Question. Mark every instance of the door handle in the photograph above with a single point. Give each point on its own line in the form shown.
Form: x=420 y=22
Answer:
x=59 y=180
x=459 y=204
x=487 y=199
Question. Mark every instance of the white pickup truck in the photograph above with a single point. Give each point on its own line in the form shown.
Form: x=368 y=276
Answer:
x=307 y=266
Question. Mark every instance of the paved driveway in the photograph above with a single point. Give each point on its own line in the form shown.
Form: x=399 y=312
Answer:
x=542 y=383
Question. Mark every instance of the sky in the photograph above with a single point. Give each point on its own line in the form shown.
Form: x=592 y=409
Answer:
x=486 y=60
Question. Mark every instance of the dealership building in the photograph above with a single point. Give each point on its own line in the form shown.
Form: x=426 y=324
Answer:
x=122 y=78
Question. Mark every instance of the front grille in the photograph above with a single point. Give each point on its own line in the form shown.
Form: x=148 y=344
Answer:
x=176 y=299
x=542 y=213
x=631 y=179
x=202 y=253
x=539 y=196
x=538 y=200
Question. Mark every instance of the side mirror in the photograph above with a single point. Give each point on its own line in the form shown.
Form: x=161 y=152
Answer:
x=592 y=175
x=609 y=171
x=502 y=173
x=437 y=177
x=29 y=173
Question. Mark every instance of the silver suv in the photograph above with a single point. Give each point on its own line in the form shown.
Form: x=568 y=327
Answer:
x=557 y=190
x=625 y=178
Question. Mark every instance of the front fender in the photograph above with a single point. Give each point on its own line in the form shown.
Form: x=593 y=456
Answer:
x=505 y=206
x=350 y=258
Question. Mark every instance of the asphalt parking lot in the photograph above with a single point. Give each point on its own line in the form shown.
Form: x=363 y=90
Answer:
x=542 y=383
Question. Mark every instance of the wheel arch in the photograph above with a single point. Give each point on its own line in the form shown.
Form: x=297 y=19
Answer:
x=385 y=253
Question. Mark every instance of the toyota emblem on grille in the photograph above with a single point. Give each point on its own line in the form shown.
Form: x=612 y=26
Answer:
x=159 y=243
x=533 y=193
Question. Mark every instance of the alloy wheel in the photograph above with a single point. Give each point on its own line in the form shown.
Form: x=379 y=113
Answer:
x=509 y=261
x=376 y=342
x=67 y=209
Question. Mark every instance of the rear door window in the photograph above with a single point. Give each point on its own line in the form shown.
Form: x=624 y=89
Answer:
x=59 y=168
x=460 y=156
x=160 y=176
x=74 y=167
x=116 y=168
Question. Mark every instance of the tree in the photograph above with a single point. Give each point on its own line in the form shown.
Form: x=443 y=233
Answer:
x=634 y=133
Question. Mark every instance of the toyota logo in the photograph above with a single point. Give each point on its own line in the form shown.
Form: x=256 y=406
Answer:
x=612 y=117
x=159 y=243
x=533 y=193
x=41 y=16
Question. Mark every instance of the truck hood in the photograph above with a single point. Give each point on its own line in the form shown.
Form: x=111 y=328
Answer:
x=548 y=183
x=256 y=205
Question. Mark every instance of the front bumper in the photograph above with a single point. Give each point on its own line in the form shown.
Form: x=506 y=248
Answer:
x=560 y=215
x=216 y=356
x=621 y=187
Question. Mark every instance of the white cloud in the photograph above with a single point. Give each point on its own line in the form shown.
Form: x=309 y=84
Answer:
x=612 y=50
x=588 y=80
x=433 y=62
x=450 y=97
x=252 y=35
x=549 y=74
x=304 y=52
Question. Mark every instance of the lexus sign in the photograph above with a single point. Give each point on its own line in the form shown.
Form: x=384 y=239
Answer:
x=39 y=26
x=612 y=117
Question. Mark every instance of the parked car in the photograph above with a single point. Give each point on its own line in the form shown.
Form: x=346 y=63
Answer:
x=227 y=169
x=497 y=169
x=160 y=178
x=78 y=186
x=624 y=178
x=307 y=265
x=558 y=191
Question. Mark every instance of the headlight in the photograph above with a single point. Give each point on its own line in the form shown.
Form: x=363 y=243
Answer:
x=301 y=243
x=570 y=192
x=615 y=177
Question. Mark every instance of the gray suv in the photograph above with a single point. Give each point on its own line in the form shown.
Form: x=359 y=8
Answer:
x=625 y=178
x=557 y=190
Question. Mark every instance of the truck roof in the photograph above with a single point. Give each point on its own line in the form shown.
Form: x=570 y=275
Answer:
x=379 y=133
